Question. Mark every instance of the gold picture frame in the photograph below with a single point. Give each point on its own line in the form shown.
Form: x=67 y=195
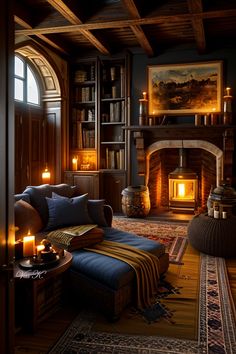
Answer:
x=190 y=88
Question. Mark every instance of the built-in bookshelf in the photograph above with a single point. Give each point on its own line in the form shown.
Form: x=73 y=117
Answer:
x=99 y=112
x=113 y=113
x=83 y=126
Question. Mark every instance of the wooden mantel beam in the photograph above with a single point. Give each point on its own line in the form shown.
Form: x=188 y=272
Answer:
x=195 y=7
x=137 y=29
x=128 y=23
x=65 y=11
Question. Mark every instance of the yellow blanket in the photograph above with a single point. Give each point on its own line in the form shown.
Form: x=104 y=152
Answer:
x=145 y=264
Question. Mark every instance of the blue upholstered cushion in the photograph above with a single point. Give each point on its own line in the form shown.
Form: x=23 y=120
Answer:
x=38 y=196
x=67 y=211
x=95 y=210
x=110 y=271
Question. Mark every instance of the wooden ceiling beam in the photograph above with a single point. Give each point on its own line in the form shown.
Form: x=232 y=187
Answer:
x=128 y=23
x=142 y=39
x=53 y=44
x=69 y=15
x=132 y=8
x=195 y=7
x=137 y=29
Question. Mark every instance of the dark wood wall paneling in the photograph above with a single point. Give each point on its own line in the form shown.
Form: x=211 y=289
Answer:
x=29 y=147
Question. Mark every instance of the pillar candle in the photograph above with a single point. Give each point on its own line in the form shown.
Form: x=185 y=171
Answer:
x=74 y=164
x=28 y=246
x=216 y=214
x=211 y=212
x=46 y=176
x=224 y=215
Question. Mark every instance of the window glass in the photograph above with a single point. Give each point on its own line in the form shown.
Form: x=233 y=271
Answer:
x=19 y=89
x=32 y=88
x=19 y=67
x=26 y=86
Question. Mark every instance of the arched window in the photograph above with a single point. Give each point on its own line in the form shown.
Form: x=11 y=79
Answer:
x=26 y=86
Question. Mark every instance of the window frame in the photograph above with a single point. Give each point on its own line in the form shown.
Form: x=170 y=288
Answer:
x=24 y=79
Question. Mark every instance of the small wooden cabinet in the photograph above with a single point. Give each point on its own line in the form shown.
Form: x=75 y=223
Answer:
x=88 y=182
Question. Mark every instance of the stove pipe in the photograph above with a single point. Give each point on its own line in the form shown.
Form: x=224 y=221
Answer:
x=182 y=171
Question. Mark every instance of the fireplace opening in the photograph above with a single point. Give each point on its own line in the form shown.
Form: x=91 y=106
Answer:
x=183 y=186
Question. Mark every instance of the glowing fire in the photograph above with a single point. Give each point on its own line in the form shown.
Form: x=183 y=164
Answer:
x=181 y=190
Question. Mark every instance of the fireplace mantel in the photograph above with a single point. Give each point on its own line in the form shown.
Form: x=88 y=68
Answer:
x=221 y=136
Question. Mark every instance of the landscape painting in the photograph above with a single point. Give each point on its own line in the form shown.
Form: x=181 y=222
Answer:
x=185 y=88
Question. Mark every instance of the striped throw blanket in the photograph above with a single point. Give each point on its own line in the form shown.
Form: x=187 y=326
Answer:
x=145 y=265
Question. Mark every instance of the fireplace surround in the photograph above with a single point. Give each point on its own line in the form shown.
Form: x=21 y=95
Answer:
x=210 y=151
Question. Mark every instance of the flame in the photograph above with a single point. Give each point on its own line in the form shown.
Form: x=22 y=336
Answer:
x=181 y=190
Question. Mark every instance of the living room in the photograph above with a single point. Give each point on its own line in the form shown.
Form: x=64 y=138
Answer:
x=99 y=125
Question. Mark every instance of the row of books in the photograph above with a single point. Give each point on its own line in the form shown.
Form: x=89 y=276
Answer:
x=85 y=94
x=82 y=138
x=115 y=159
x=115 y=73
x=82 y=75
x=116 y=112
x=83 y=115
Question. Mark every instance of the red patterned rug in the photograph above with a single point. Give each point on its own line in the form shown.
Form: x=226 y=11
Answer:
x=172 y=235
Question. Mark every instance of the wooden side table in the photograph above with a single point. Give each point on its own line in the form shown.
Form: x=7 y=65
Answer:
x=38 y=293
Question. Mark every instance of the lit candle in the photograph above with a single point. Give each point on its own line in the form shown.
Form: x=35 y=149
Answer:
x=39 y=248
x=75 y=164
x=211 y=212
x=228 y=91
x=143 y=109
x=46 y=175
x=28 y=246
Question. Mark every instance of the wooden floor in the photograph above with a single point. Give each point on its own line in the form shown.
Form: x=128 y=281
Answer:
x=47 y=334
x=164 y=214
x=50 y=331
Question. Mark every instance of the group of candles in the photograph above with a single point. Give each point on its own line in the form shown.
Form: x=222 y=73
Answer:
x=214 y=213
x=29 y=248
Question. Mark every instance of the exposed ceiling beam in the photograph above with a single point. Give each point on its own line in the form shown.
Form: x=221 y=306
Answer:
x=128 y=23
x=65 y=11
x=142 y=39
x=53 y=44
x=132 y=8
x=137 y=29
x=195 y=6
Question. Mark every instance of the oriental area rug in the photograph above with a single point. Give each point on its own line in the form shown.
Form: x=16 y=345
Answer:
x=172 y=235
x=198 y=315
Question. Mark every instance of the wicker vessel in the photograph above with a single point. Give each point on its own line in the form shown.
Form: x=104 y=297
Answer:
x=136 y=201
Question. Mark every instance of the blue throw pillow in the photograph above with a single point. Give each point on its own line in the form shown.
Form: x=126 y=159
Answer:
x=96 y=211
x=65 y=211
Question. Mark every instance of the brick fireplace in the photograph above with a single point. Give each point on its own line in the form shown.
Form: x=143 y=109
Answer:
x=209 y=156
